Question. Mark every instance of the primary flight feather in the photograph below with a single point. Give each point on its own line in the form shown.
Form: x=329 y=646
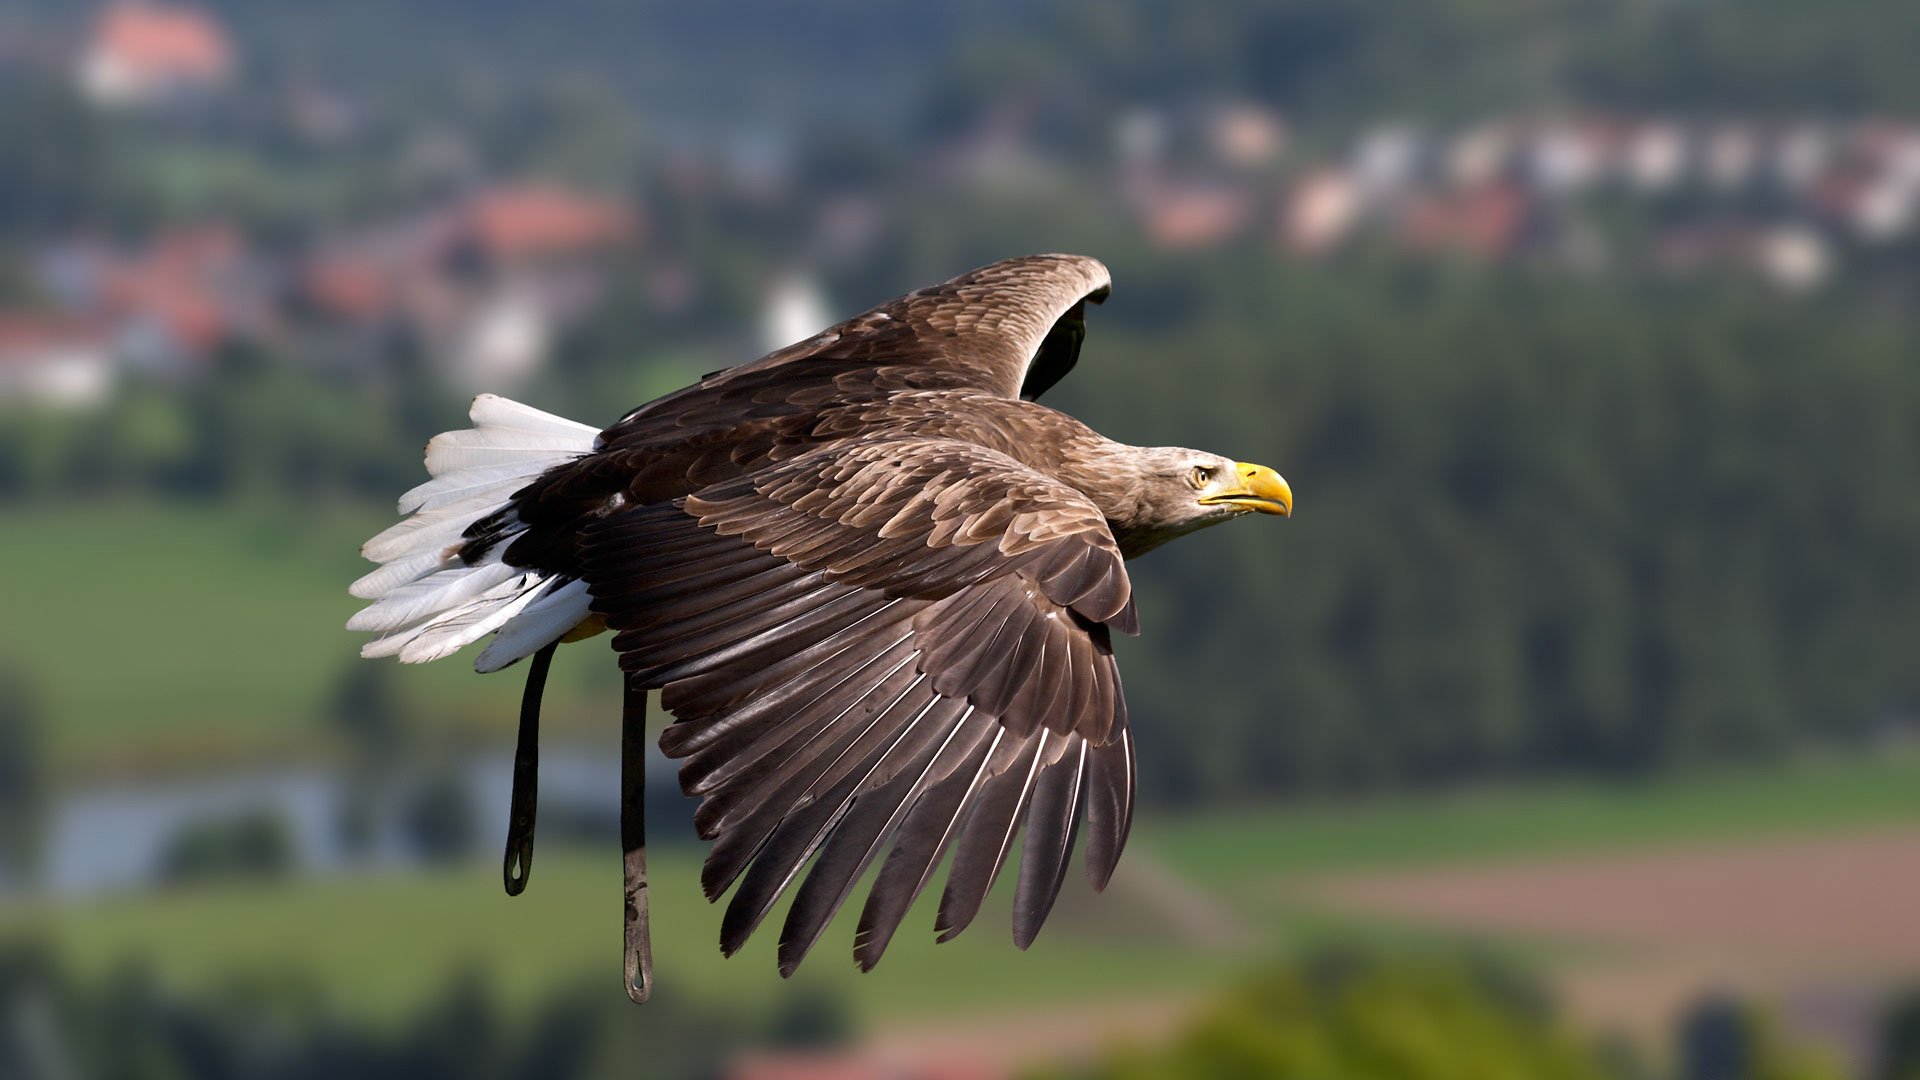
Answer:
x=873 y=581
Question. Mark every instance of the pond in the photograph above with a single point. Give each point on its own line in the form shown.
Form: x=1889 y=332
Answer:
x=125 y=836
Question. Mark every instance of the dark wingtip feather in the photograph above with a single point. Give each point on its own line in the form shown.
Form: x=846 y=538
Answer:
x=984 y=841
x=713 y=881
x=865 y=958
x=741 y=919
x=924 y=837
x=1052 y=822
x=1109 y=807
x=871 y=822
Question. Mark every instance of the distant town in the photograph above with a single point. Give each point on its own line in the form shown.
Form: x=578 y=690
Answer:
x=486 y=280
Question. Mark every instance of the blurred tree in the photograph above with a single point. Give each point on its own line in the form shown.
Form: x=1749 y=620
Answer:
x=23 y=772
x=1347 y=61
x=365 y=711
x=439 y=819
x=130 y=1026
x=252 y=845
x=1543 y=526
x=1354 y=1018
x=1899 y=1050
x=1724 y=1039
x=52 y=158
x=811 y=1020
x=1718 y=1041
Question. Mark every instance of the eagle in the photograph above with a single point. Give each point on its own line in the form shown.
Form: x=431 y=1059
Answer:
x=873 y=581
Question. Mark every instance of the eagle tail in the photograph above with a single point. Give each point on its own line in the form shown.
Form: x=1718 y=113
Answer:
x=431 y=595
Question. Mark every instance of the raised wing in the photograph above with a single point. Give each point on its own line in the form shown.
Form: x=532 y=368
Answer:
x=903 y=643
x=1012 y=328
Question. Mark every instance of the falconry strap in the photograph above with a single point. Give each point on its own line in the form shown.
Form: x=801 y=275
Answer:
x=517 y=866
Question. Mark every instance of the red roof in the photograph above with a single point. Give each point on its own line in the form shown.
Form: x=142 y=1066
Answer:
x=164 y=40
x=1484 y=222
x=22 y=332
x=355 y=291
x=189 y=312
x=183 y=280
x=534 y=221
x=1185 y=218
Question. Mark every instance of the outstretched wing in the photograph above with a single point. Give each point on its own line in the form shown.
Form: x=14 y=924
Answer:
x=1011 y=328
x=898 y=642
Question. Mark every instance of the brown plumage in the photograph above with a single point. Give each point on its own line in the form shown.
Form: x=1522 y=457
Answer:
x=872 y=580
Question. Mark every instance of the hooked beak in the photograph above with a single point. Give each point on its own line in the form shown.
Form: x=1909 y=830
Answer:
x=1260 y=488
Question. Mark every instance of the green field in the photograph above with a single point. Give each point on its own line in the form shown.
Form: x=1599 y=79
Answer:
x=160 y=635
x=1267 y=843
x=380 y=944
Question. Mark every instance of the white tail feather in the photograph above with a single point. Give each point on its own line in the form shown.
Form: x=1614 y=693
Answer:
x=431 y=528
x=543 y=622
x=494 y=411
x=427 y=602
x=447 y=457
x=431 y=596
x=446 y=489
x=399 y=572
x=449 y=634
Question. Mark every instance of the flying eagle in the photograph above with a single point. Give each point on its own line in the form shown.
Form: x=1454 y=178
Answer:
x=873 y=582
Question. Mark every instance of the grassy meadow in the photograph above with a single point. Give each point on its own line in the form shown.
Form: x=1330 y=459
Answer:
x=422 y=929
x=170 y=635
x=1564 y=817
x=379 y=945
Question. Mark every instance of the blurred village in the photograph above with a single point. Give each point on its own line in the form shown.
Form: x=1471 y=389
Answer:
x=239 y=288
x=488 y=272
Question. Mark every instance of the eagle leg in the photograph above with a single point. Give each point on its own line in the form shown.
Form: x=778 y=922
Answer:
x=517 y=866
x=633 y=841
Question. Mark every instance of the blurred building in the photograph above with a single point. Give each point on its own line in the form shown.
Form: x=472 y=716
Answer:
x=1386 y=161
x=1485 y=222
x=1479 y=155
x=173 y=299
x=1246 y=136
x=1655 y=157
x=503 y=340
x=142 y=53
x=1320 y=212
x=1565 y=158
x=795 y=309
x=518 y=223
x=1794 y=257
x=1730 y=159
x=1191 y=215
x=486 y=283
x=55 y=362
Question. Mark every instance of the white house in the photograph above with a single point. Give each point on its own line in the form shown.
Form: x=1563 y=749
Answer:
x=55 y=363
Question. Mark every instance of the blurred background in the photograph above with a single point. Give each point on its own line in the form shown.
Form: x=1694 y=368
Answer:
x=1568 y=731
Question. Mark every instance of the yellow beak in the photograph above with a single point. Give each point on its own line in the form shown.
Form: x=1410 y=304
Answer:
x=1260 y=488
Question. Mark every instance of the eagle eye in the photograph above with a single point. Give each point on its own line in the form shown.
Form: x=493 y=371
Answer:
x=1201 y=477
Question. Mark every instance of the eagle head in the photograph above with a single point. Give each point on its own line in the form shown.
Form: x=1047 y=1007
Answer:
x=1167 y=491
